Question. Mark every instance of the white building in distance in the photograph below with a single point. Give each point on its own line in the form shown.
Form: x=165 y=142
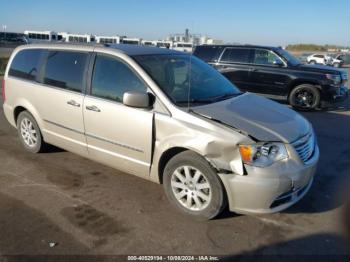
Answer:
x=40 y=36
x=195 y=39
x=183 y=42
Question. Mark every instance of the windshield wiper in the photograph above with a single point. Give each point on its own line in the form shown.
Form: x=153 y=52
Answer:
x=195 y=101
x=210 y=99
x=225 y=96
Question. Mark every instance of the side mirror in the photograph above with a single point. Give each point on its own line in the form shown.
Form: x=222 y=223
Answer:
x=138 y=99
x=278 y=63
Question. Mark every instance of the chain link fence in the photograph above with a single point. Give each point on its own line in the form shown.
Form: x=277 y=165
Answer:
x=5 y=53
x=3 y=63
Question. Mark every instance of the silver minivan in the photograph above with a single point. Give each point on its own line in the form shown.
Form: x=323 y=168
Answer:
x=164 y=116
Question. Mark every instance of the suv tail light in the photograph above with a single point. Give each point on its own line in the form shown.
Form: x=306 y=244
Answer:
x=3 y=90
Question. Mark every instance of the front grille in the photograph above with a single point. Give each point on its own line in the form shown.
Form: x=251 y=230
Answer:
x=305 y=147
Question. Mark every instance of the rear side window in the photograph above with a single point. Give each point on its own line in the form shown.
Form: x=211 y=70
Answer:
x=208 y=54
x=65 y=69
x=236 y=55
x=25 y=64
x=112 y=78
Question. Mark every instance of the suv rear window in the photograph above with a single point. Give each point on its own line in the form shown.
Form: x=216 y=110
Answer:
x=25 y=64
x=236 y=55
x=208 y=53
x=65 y=69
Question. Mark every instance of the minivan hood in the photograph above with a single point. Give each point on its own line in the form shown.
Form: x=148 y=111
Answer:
x=261 y=118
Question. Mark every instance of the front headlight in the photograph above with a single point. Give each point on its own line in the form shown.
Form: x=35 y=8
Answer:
x=335 y=78
x=263 y=154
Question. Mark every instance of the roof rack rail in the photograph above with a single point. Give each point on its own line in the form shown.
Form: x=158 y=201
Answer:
x=74 y=43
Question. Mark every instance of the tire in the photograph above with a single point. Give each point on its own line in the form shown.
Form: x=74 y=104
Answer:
x=29 y=133
x=312 y=62
x=336 y=65
x=304 y=97
x=207 y=201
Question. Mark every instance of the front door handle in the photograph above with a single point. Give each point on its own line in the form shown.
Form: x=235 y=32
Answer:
x=73 y=103
x=93 y=108
x=252 y=69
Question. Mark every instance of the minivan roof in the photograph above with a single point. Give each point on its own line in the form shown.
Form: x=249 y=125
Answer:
x=130 y=50
x=142 y=50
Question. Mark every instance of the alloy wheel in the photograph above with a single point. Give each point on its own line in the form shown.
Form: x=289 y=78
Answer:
x=304 y=98
x=191 y=188
x=28 y=132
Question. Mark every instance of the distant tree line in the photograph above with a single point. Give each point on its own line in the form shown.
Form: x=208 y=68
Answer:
x=312 y=47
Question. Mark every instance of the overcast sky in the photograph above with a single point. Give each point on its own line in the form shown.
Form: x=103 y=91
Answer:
x=272 y=22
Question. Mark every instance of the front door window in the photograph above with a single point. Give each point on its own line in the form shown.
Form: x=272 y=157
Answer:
x=266 y=57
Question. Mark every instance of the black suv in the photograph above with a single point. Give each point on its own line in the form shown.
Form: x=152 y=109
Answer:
x=275 y=73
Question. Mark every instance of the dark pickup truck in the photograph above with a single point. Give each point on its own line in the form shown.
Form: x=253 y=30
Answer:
x=275 y=73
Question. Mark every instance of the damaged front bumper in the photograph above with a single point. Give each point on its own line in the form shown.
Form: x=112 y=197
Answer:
x=270 y=189
x=335 y=95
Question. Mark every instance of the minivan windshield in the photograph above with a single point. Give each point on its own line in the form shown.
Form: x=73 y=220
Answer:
x=174 y=74
x=288 y=56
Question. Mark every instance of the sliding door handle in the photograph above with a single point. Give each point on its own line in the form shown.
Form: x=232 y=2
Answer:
x=93 y=108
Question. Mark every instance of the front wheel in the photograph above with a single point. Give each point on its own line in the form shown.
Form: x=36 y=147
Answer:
x=304 y=97
x=336 y=65
x=193 y=186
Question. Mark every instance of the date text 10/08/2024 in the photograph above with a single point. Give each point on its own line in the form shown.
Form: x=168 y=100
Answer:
x=173 y=258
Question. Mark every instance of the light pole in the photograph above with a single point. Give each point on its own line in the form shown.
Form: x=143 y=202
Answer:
x=4 y=29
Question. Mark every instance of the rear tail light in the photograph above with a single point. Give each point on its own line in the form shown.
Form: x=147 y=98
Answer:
x=3 y=90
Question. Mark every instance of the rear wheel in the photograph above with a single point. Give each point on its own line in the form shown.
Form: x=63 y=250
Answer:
x=193 y=186
x=336 y=65
x=304 y=97
x=312 y=62
x=29 y=133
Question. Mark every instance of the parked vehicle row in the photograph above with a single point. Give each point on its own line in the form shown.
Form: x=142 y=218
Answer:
x=168 y=117
x=50 y=36
x=11 y=39
x=335 y=59
x=344 y=58
x=275 y=73
x=324 y=59
x=303 y=57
